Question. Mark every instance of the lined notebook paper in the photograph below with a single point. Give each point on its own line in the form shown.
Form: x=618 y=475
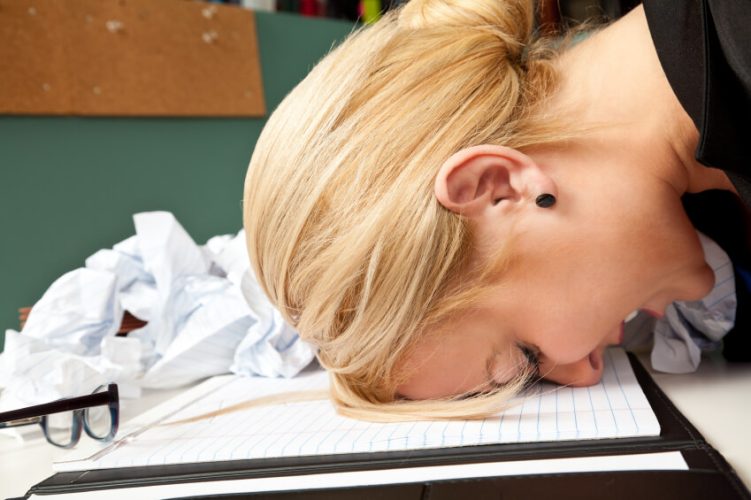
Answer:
x=616 y=407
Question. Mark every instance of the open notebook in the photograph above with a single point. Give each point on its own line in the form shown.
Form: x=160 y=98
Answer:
x=614 y=408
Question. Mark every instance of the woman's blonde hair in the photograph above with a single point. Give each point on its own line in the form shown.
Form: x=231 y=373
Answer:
x=344 y=232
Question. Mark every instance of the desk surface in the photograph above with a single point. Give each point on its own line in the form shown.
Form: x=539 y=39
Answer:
x=716 y=399
x=24 y=464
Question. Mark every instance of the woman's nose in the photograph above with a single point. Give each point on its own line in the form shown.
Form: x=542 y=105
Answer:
x=586 y=371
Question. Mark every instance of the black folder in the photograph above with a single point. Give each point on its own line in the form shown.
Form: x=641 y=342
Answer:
x=709 y=475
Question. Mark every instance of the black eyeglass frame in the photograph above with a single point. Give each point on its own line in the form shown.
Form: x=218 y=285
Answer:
x=78 y=405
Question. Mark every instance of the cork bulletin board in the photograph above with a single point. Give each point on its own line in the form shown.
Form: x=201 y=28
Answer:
x=128 y=58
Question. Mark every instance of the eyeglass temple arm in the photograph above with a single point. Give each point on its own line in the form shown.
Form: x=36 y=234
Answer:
x=77 y=403
x=20 y=422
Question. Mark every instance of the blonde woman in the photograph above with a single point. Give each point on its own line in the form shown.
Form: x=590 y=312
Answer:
x=449 y=207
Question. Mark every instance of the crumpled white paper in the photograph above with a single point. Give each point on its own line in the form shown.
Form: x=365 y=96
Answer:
x=204 y=310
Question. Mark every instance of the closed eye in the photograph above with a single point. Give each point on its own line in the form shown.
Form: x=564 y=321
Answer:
x=530 y=370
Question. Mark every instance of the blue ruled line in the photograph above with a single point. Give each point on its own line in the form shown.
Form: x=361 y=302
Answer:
x=610 y=404
x=618 y=379
x=594 y=414
x=576 y=420
x=539 y=405
x=557 y=427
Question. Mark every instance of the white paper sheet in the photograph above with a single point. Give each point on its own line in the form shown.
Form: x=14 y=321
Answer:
x=646 y=461
x=614 y=408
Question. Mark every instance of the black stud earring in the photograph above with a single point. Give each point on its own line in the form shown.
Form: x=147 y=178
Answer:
x=545 y=200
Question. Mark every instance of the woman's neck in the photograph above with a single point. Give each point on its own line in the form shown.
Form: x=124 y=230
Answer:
x=613 y=84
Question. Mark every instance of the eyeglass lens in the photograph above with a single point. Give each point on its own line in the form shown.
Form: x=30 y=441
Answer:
x=98 y=419
x=60 y=428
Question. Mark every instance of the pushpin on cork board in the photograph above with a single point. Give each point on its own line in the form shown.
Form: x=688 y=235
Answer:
x=129 y=58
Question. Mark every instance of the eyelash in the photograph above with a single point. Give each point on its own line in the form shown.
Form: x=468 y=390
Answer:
x=532 y=356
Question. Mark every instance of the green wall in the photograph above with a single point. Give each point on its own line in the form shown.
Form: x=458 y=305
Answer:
x=69 y=186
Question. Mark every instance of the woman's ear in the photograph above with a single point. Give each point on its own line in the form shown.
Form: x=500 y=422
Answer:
x=479 y=178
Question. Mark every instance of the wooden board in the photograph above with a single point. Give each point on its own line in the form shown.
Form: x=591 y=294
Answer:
x=128 y=58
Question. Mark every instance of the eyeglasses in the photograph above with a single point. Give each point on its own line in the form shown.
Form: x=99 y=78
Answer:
x=63 y=419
